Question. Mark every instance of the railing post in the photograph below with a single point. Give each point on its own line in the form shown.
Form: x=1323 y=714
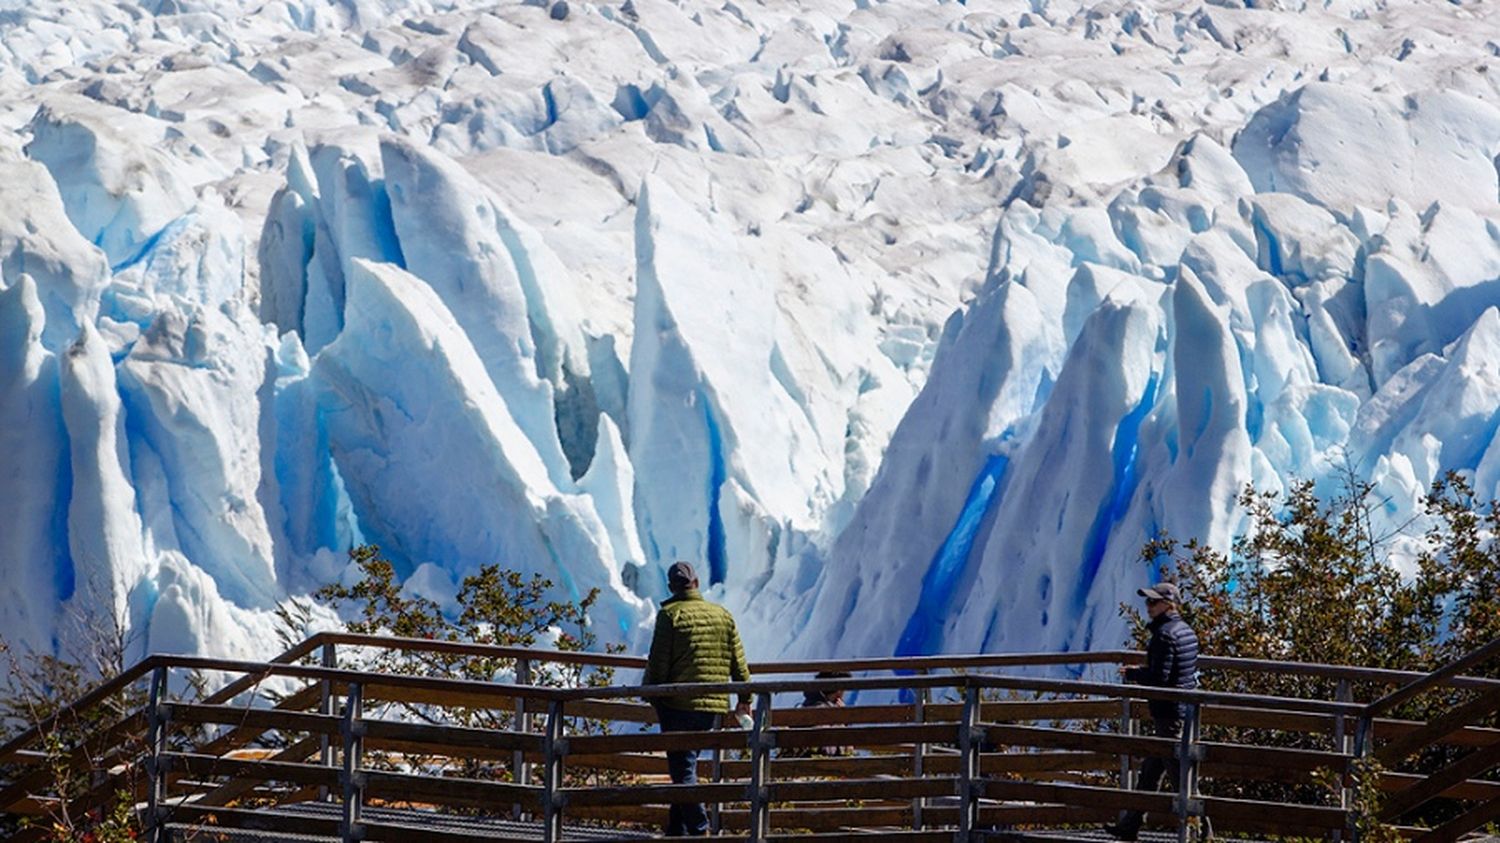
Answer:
x=1360 y=749
x=1127 y=727
x=553 y=750
x=715 y=818
x=760 y=768
x=918 y=750
x=352 y=730
x=520 y=769
x=1340 y=729
x=326 y=707
x=1342 y=743
x=156 y=743
x=1187 y=772
x=968 y=765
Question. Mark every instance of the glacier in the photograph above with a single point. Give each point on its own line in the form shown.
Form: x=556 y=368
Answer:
x=908 y=321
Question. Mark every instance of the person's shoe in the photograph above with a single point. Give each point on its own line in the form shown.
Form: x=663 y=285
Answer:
x=1120 y=832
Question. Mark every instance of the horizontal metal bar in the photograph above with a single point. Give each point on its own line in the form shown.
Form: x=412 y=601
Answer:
x=1017 y=683
x=655 y=794
x=451 y=736
x=260 y=719
x=207 y=766
x=1436 y=678
x=912 y=663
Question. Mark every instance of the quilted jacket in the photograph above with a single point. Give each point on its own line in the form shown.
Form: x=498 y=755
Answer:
x=1171 y=662
x=695 y=641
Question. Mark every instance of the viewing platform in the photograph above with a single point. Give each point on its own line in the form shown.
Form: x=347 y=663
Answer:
x=315 y=745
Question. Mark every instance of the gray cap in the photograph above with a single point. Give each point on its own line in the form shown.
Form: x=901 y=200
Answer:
x=1161 y=591
x=681 y=576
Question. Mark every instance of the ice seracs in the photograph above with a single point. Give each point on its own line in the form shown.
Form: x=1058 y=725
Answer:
x=469 y=250
x=119 y=190
x=105 y=537
x=67 y=272
x=989 y=374
x=39 y=571
x=197 y=388
x=1034 y=573
x=906 y=322
x=437 y=468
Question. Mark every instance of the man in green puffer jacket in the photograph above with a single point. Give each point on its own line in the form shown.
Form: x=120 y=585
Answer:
x=695 y=641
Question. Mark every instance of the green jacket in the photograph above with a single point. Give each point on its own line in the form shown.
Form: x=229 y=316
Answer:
x=695 y=641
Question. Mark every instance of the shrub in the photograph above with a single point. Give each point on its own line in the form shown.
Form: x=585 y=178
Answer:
x=1311 y=580
x=495 y=606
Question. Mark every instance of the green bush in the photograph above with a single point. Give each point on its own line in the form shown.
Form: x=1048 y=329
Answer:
x=496 y=606
x=1312 y=580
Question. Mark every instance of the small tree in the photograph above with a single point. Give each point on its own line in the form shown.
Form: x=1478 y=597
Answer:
x=1461 y=568
x=84 y=801
x=495 y=606
x=1311 y=580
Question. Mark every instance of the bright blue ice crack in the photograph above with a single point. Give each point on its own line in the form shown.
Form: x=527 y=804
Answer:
x=65 y=577
x=1122 y=490
x=924 y=630
x=386 y=238
x=144 y=251
x=717 y=566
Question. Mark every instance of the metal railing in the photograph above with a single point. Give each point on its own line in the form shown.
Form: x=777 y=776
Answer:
x=937 y=769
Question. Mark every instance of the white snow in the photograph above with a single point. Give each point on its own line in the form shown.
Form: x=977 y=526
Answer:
x=908 y=321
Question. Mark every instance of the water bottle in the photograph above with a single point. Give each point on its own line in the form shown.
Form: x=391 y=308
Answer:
x=744 y=720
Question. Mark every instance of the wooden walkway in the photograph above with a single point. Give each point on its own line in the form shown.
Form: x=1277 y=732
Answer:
x=947 y=749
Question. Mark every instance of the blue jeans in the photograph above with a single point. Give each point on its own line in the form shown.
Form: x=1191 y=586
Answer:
x=688 y=819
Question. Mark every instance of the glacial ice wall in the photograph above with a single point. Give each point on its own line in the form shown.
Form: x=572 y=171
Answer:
x=908 y=322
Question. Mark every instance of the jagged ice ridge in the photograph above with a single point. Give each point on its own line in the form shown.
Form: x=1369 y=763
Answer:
x=908 y=321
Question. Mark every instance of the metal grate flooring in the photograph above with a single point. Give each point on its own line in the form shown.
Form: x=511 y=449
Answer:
x=184 y=834
x=426 y=820
x=480 y=827
x=1081 y=835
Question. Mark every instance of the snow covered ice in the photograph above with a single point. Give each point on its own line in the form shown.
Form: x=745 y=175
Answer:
x=907 y=321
